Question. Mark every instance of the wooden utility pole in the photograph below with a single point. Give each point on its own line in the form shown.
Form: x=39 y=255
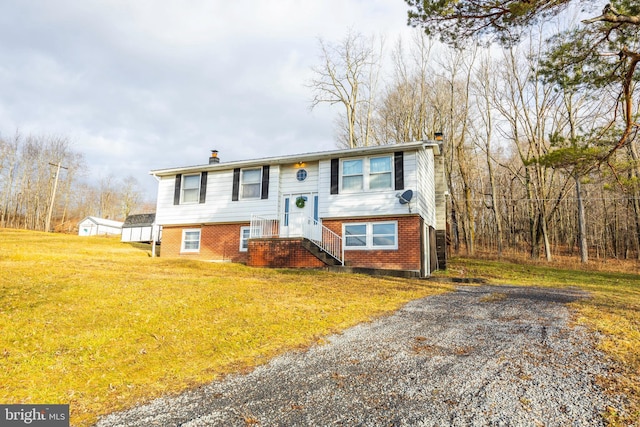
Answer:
x=47 y=226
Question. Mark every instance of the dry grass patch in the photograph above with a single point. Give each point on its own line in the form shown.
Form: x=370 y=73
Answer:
x=613 y=309
x=102 y=326
x=494 y=297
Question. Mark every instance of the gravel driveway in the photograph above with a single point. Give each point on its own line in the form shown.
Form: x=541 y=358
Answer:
x=503 y=356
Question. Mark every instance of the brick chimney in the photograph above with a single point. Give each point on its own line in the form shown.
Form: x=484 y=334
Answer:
x=214 y=157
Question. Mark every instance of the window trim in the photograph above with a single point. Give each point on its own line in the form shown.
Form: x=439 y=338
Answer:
x=369 y=236
x=361 y=174
x=183 y=249
x=259 y=183
x=389 y=172
x=182 y=189
x=244 y=229
x=366 y=174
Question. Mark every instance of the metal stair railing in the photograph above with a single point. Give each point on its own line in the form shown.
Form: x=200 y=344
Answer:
x=305 y=227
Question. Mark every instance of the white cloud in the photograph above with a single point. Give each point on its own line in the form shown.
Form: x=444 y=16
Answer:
x=144 y=84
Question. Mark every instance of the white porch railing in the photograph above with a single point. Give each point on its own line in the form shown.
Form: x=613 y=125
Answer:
x=298 y=225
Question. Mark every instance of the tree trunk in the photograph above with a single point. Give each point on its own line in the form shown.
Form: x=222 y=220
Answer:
x=582 y=227
x=533 y=219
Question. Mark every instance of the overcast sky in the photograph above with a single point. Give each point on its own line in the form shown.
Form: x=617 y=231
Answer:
x=140 y=84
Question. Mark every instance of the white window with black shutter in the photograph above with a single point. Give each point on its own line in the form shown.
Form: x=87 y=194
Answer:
x=375 y=173
x=366 y=174
x=191 y=188
x=250 y=183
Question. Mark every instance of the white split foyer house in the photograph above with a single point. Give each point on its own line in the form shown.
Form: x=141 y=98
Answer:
x=379 y=207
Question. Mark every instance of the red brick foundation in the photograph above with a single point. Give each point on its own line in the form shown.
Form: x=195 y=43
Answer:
x=217 y=242
x=222 y=242
x=406 y=257
x=281 y=253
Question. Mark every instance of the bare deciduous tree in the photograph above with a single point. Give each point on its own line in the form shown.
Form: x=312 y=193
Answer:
x=27 y=187
x=348 y=75
x=131 y=196
x=485 y=87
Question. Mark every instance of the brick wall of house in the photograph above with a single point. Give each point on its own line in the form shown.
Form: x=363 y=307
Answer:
x=217 y=242
x=281 y=253
x=406 y=257
x=222 y=242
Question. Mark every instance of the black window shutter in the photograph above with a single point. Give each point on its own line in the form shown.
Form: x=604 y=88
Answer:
x=265 y=182
x=335 y=166
x=203 y=187
x=398 y=162
x=176 y=190
x=236 y=185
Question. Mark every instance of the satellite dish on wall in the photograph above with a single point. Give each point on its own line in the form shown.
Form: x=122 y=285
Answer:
x=405 y=198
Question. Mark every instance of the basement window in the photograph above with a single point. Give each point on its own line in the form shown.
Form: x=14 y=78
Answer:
x=190 y=240
x=371 y=235
x=245 y=232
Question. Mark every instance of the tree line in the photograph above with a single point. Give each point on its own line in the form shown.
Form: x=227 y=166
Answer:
x=540 y=134
x=34 y=192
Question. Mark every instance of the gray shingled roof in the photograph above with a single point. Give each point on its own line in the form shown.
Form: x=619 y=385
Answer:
x=139 y=220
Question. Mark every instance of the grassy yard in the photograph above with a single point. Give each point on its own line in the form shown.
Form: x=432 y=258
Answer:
x=101 y=325
x=613 y=310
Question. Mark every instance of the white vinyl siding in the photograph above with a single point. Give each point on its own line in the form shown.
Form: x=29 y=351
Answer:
x=218 y=207
x=424 y=200
x=250 y=183
x=363 y=203
x=190 y=240
x=371 y=235
x=190 y=189
x=289 y=183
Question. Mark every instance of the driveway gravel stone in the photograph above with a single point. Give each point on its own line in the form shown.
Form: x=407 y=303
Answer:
x=480 y=356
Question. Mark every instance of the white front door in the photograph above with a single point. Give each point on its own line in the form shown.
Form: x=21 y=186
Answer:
x=299 y=215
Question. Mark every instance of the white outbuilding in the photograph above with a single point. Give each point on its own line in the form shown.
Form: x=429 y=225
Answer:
x=141 y=228
x=94 y=226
